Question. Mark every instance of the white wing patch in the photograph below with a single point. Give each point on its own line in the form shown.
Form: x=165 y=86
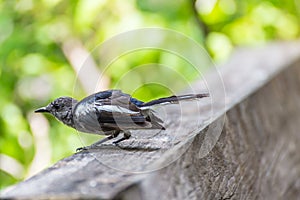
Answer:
x=114 y=108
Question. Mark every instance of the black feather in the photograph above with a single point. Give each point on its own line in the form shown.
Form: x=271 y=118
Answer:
x=174 y=99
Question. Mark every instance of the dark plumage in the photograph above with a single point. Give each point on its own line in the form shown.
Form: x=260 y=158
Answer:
x=110 y=112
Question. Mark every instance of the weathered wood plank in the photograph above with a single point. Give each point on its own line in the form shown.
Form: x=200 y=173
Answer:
x=256 y=155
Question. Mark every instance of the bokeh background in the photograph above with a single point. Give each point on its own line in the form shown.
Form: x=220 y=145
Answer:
x=43 y=43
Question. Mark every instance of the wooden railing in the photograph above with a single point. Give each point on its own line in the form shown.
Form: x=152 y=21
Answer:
x=241 y=143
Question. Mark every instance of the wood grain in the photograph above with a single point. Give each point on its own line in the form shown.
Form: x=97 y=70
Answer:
x=247 y=148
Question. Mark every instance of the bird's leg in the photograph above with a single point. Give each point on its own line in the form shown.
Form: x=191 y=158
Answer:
x=113 y=135
x=126 y=136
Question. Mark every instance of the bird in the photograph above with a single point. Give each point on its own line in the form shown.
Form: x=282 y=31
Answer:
x=109 y=113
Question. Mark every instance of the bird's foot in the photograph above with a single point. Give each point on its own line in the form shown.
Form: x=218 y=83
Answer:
x=81 y=149
x=126 y=136
x=113 y=135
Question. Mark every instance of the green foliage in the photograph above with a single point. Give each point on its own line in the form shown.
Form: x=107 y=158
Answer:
x=34 y=69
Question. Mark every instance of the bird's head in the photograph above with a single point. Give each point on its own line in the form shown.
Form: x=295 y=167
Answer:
x=61 y=108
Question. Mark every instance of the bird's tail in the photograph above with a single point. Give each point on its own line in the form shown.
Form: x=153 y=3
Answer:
x=174 y=99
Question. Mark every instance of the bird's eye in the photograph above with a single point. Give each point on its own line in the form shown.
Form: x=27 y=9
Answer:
x=55 y=105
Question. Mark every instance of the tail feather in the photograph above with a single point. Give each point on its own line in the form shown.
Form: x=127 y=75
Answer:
x=174 y=99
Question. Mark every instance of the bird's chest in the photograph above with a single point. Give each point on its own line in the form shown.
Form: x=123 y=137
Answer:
x=86 y=118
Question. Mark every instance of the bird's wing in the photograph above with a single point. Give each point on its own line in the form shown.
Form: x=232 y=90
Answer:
x=114 y=106
x=116 y=100
x=107 y=111
x=113 y=110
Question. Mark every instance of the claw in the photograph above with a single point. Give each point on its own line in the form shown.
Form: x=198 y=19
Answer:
x=115 y=143
x=81 y=149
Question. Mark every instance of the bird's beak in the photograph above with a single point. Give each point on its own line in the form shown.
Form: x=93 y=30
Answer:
x=41 y=110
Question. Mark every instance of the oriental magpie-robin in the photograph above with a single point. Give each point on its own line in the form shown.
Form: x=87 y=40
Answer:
x=109 y=113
